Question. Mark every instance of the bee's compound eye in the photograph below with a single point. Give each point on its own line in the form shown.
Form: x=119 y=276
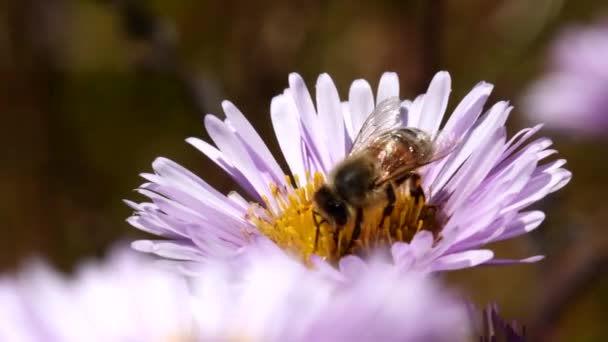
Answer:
x=338 y=212
x=331 y=204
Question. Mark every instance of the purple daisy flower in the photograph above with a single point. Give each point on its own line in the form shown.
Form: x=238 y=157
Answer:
x=571 y=96
x=475 y=195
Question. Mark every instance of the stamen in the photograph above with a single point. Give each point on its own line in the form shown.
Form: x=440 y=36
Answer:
x=293 y=226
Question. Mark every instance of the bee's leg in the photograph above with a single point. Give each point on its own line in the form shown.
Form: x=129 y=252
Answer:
x=315 y=219
x=415 y=187
x=391 y=198
x=356 y=228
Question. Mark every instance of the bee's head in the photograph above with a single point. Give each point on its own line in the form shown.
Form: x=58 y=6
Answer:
x=331 y=205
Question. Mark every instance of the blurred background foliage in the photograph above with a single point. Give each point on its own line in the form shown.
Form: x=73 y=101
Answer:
x=92 y=91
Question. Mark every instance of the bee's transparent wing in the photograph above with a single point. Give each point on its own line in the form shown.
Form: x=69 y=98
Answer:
x=443 y=145
x=385 y=117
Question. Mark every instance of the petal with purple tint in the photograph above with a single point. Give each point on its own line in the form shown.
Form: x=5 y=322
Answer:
x=351 y=265
x=529 y=260
x=488 y=124
x=176 y=175
x=523 y=223
x=253 y=139
x=461 y=260
x=182 y=250
x=415 y=111
x=287 y=131
x=150 y=226
x=234 y=150
x=361 y=103
x=388 y=86
x=348 y=127
x=435 y=103
x=539 y=186
x=474 y=170
x=421 y=243
x=329 y=108
x=460 y=122
x=309 y=119
x=218 y=158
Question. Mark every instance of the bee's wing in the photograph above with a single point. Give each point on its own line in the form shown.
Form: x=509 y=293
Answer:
x=395 y=168
x=443 y=145
x=385 y=117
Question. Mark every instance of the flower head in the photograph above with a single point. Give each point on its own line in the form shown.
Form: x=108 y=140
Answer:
x=475 y=195
x=571 y=96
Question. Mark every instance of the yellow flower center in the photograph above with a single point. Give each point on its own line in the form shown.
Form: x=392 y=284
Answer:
x=289 y=221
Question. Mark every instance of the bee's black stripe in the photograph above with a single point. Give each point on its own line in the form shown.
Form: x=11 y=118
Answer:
x=391 y=198
x=356 y=228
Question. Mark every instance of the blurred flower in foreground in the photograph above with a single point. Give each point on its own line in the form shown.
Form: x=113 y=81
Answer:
x=280 y=299
x=266 y=297
x=573 y=95
x=474 y=196
x=123 y=299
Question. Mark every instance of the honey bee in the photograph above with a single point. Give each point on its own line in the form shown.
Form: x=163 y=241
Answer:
x=384 y=155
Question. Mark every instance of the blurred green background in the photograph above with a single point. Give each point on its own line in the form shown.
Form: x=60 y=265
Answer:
x=92 y=91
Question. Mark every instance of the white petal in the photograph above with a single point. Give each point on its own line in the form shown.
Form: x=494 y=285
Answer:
x=168 y=249
x=529 y=260
x=462 y=260
x=287 y=130
x=400 y=250
x=519 y=138
x=532 y=148
x=239 y=200
x=474 y=170
x=489 y=123
x=415 y=112
x=421 y=243
x=214 y=155
x=151 y=227
x=309 y=119
x=388 y=86
x=468 y=110
x=499 y=188
x=523 y=224
x=174 y=175
x=248 y=133
x=460 y=122
x=220 y=160
x=361 y=103
x=351 y=266
x=550 y=167
x=233 y=149
x=435 y=103
x=331 y=118
x=539 y=187
x=349 y=135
